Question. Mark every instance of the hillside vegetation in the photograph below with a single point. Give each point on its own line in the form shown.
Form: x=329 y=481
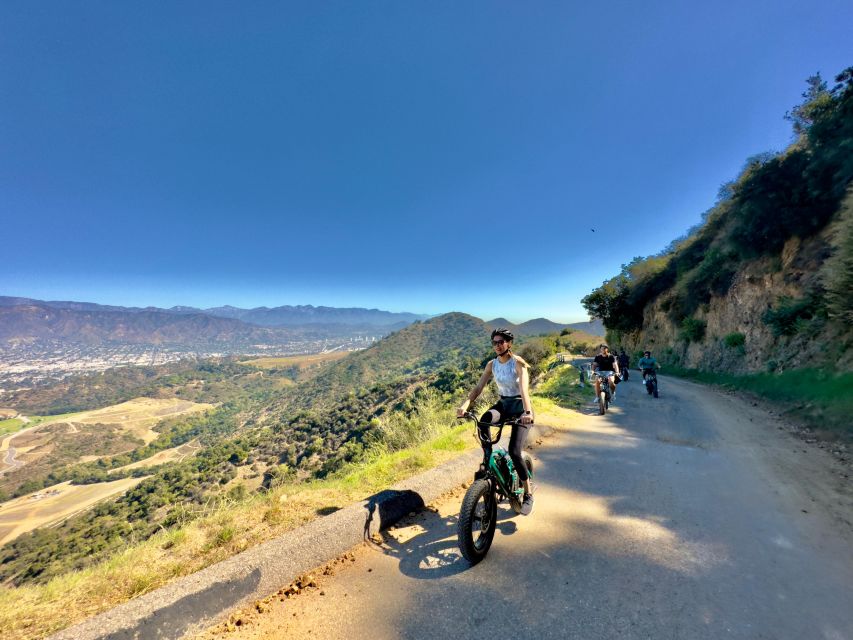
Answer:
x=263 y=466
x=763 y=283
x=261 y=434
x=445 y=342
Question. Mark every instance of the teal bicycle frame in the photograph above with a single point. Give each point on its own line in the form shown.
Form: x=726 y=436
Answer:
x=498 y=466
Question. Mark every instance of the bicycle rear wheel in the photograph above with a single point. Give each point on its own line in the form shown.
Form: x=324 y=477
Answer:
x=477 y=520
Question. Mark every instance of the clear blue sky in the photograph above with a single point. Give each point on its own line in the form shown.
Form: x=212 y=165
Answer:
x=419 y=156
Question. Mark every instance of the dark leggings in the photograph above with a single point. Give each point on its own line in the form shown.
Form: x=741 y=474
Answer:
x=509 y=408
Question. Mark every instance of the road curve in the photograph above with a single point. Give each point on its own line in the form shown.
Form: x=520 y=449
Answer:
x=687 y=517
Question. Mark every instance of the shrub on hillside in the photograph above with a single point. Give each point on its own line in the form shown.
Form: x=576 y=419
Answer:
x=734 y=340
x=692 y=329
x=788 y=316
x=535 y=350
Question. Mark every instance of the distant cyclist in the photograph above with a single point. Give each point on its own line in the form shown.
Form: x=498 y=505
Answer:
x=623 y=361
x=510 y=373
x=606 y=365
x=648 y=366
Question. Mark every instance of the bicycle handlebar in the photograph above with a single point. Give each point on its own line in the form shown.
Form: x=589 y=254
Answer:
x=500 y=426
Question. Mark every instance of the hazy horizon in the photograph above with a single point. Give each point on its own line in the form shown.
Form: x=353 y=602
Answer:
x=514 y=320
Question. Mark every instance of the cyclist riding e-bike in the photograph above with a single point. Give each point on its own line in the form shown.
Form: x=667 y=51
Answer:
x=623 y=361
x=510 y=374
x=649 y=366
x=606 y=366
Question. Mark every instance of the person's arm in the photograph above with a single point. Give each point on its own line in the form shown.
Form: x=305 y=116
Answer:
x=524 y=377
x=475 y=393
x=616 y=365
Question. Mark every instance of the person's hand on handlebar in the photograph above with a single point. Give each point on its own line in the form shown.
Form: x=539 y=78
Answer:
x=462 y=409
x=527 y=417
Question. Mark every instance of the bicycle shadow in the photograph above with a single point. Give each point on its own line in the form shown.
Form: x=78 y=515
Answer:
x=433 y=551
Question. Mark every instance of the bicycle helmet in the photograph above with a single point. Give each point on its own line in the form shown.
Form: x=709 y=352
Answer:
x=506 y=334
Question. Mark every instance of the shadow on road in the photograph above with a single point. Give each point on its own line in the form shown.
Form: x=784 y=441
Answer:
x=426 y=546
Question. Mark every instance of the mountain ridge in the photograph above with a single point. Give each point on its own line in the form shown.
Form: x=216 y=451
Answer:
x=286 y=315
x=539 y=326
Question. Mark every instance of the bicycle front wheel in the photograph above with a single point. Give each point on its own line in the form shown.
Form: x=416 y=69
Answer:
x=477 y=521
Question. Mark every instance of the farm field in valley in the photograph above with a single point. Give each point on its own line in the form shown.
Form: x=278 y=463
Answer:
x=175 y=454
x=54 y=504
x=50 y=442
x=303 y=361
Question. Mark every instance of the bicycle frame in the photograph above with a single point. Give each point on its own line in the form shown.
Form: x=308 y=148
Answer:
x=490 y=468
x=604 y=382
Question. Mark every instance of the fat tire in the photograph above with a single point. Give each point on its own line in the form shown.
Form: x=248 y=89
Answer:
x=472 y=551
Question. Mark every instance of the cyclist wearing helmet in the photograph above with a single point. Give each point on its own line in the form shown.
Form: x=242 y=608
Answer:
x=510 y=373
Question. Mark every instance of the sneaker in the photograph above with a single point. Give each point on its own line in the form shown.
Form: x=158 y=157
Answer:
x=527 y=505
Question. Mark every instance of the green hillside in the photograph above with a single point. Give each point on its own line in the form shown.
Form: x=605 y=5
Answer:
x=763 y=285
x=448 y=340
x=262 y=434
x=777 y=197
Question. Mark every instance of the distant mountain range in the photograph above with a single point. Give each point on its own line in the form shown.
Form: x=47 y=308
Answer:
x=29 y=321
x=284 y=316
x=35 y=322
x=306 y=314
x=540 y=326
x=229 y=328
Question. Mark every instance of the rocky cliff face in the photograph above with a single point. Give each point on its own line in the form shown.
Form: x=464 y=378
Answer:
x=759 y=285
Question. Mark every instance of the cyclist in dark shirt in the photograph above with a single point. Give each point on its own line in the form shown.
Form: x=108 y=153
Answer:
x=623 y=361
x=607 y=366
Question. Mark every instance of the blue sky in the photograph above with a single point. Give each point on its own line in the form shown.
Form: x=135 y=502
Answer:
x=417 y=156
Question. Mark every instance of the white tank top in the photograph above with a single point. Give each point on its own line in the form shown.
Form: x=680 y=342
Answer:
x=506 y=377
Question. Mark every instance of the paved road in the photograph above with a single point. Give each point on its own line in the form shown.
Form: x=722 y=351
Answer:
x=688 y=517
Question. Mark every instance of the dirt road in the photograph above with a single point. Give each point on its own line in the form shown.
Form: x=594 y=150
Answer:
x=692 y=516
